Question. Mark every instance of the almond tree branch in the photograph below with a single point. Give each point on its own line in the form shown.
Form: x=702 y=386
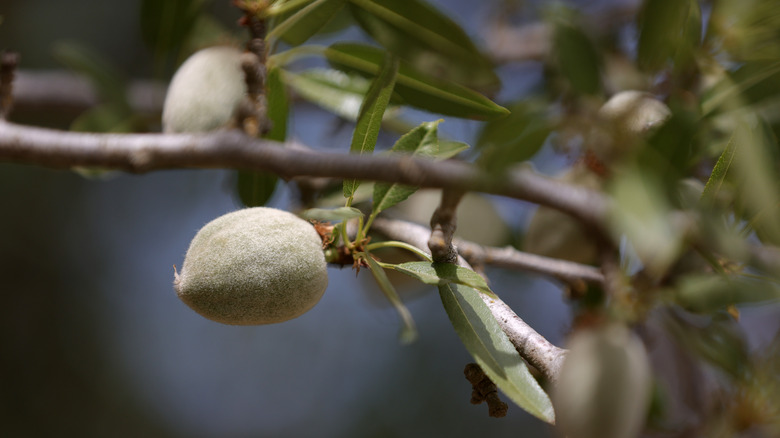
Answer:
x=533 y=347
x=140 y=153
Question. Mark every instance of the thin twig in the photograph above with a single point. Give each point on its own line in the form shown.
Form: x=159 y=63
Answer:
x=533 y=347
x=140 y=153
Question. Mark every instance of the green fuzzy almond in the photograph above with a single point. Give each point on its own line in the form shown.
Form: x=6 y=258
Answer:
x=253 y=266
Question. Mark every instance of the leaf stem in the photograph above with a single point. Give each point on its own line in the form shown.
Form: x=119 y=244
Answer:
x=402 y=245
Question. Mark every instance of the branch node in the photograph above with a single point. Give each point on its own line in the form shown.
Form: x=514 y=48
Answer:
x=444 y=222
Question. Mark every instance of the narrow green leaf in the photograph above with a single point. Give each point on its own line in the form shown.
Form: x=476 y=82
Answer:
x=409 y=331
x=661 y=25
x=444 y=273
x=255 y=189
x=577 y=58
x=108 y=80
x=515 y=137
x=491 y=348
x=332 y=215
x=450 y=148
x=427 y=39
x=166 y=25
x=334 y=90
x=415 y=88
x=370 y=119
x=719 y=172
x=420 y=141
x=306 y=22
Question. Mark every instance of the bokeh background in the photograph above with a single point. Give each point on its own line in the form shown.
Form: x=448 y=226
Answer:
x=95 y=343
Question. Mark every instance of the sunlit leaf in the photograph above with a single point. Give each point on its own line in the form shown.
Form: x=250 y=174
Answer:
x=428 y=40
x=718 y=176
x=370 y=119
x=305 y=22
x=443 y=273
x=332 y=215
x=420 y=141
x=492 y=350
x=415 y=88
x=334 y=90
x=450 y=148
x=409 y=331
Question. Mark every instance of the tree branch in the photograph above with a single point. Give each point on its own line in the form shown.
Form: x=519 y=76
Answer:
x=533 y=347
x=231 y=149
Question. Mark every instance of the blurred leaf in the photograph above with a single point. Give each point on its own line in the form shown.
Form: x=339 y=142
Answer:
x=710 y=293
x=756 y=176
x=255 y=189
x=305 y=22
x=428 y=40
x=408 y=332
x=415 y=88
x=492 y=350
x=439 y=274
x=577 y=58
x=749 y=29
x=109 y=81
x=370 y=118
x=332 y=215
x=420 y=141
x=641 y=212
x=333 y=90
x=670 y=149
x=450 y=148
x=718 y=341
x=515 y=137
x=105 y=118
x=753 y=83
x=166 y=25
x=663 y=24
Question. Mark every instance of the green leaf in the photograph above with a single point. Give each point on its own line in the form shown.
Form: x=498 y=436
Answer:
x=711 y=293
x=439 y=274
x=255 y=189
x=408 y=332
x=305 y=22
x=370 y=119
x=662 y=26
x=577 y=58
x=420 y=141
x=428 y=40
x=513 y=138
x=719 y=173
x=166 y=25
x=108 y=80
x=415 y=88
x=332 y=215
x=450 y=148
x=488 y=344
x=334 y=90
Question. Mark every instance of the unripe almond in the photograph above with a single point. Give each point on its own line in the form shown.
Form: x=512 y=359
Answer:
x=253 y=266
x=604 y=387
x=205 y=92
x=634 y=112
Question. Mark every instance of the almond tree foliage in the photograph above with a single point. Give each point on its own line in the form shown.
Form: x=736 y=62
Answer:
x=674 y=128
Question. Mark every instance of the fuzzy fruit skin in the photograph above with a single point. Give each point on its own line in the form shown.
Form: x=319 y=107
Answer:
x=253 y=266
x=205 y=92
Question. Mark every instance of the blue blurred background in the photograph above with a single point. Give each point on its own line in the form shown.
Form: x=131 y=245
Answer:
x=95 y=343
